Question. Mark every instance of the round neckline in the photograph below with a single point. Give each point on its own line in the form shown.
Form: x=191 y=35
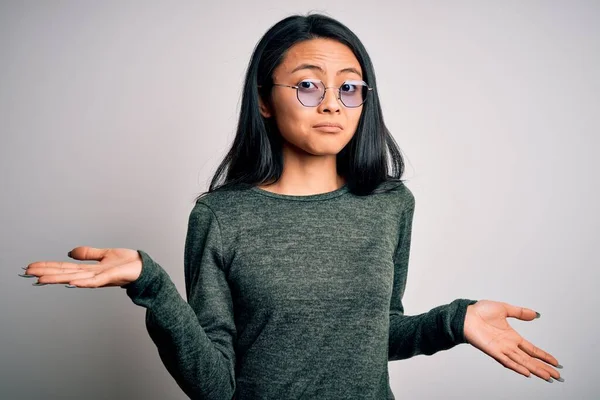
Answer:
x=307 y=197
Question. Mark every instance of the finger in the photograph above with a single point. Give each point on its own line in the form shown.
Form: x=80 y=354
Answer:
x=522 y=313
x=53 y=271
x=40 y=266
x=524 y=360
x=65 y=278
x=509 y=363
x=88 y=253
x=534 y=365
x=538 y=353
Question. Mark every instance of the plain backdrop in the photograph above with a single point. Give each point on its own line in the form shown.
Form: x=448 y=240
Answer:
x=115 y=114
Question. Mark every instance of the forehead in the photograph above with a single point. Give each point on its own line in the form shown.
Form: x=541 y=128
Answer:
x=328 y=54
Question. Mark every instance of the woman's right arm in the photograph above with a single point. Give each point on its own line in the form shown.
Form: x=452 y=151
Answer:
x=195 y=339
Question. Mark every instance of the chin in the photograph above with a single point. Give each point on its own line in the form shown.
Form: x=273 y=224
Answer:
x=324 y=150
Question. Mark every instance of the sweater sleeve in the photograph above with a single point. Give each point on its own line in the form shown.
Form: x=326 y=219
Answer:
x=441 y=328
x=195 y=339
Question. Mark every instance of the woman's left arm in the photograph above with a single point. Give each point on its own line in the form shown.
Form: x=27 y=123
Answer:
x=480 y=323
x=441 y=328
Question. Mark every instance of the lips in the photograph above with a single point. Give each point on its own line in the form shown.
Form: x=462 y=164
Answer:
x=328 y=125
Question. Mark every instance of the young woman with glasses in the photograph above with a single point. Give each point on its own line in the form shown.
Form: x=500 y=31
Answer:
x=296 y=258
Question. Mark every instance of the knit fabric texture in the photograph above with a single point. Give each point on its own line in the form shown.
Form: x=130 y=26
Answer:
x=292 y=297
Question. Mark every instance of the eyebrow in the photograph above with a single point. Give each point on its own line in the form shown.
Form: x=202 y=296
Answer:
x=311 y=66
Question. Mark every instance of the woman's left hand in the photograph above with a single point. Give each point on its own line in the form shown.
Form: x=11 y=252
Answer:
x=487 y=329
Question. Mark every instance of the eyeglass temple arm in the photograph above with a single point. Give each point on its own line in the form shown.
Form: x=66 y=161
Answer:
x=279 y=84
x=296 y=87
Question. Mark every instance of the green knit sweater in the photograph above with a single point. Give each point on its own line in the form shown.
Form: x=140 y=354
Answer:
x=292 y=297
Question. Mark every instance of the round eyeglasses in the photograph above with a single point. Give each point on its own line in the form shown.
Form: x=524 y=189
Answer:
x=311 y=92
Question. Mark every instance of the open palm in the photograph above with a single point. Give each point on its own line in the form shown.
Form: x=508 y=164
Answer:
x=486 y=328
x=116 y=267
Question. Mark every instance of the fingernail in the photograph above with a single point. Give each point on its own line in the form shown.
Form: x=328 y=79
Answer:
x=38 y=284
x=27 y=276
x=560 y=379
x=537 y=314
x=25 y=268
x=69 y=254
x=550 y=380
x=559 y=366
x=70 y=286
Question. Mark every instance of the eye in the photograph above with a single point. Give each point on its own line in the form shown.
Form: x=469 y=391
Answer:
x=308 y=86
x=352 y=86
x=348 y=87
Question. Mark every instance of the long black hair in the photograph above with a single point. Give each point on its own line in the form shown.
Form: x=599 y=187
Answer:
x=255 y=157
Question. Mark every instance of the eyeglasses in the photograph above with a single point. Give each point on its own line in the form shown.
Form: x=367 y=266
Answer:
x=311 y=92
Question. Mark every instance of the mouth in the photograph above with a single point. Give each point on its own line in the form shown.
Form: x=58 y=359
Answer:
x=328 y=127
x=328 y=124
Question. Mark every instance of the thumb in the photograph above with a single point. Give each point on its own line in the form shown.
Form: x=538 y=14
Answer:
x=522 y=313
x=88 y=253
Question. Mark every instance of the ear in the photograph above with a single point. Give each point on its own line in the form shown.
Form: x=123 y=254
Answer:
x=264 y=110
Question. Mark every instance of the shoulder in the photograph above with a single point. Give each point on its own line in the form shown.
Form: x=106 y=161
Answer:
x=398 y=191
x=221 y=201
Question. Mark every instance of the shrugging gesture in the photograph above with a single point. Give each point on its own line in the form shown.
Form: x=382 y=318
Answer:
x=486 y=327
x=116 y=267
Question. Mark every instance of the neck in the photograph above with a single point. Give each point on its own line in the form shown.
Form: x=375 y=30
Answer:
x=307 y=175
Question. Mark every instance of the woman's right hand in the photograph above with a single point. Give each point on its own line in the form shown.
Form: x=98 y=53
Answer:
x=116 y=267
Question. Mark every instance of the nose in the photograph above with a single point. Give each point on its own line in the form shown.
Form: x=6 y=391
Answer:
x=330 y=102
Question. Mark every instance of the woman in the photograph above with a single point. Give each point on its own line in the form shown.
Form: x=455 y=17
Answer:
x=296 y=258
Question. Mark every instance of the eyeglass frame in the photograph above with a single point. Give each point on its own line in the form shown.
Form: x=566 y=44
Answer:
x=339 y=90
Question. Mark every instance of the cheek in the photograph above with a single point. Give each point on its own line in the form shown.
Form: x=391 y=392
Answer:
x=293 y=121
x=354 y=117
x=352 y=120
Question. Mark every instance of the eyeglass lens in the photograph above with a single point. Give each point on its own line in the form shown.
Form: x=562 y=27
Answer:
x=352 y=93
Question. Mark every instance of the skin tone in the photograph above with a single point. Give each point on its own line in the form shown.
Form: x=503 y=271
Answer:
x=309 y=168
x=309 y=154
